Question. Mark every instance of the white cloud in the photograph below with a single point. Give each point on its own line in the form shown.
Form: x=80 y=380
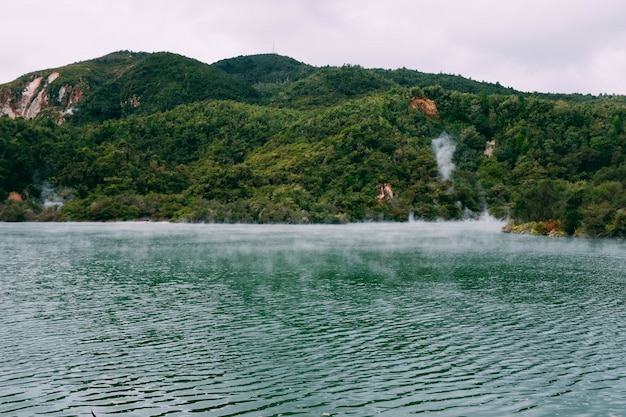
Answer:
x=532 y=45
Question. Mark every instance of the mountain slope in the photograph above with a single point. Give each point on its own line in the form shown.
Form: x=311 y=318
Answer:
x=340 y=144
x=53 y=93
x=160 y=82
x=332 y=85
x=117 y=85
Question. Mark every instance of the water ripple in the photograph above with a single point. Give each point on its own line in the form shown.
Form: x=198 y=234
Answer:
x=256 y=321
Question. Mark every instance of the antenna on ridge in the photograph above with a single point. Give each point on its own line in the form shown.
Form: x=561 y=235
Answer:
x=273 y=49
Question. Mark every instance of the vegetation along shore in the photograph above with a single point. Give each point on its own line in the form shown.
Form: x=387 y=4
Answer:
x=268 y=139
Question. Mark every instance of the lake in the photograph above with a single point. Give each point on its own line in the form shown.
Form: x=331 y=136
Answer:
x=394 y=319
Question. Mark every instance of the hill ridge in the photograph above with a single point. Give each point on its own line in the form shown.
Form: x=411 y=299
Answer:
x=267 y=139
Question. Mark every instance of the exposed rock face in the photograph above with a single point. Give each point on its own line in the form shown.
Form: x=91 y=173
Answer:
x=35 y=97
x=385 y=193
x=5 y=108
x=14 y=196
x=490 y=146
x=426 y=106
x=133 y=101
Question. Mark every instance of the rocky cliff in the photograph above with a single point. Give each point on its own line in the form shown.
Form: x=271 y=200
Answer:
x=30 y=96
x=426 y=106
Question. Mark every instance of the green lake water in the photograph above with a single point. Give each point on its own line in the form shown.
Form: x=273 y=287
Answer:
x=446 y=319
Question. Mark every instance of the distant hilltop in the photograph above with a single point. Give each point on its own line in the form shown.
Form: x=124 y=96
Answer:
x=115 y=84
x=126 y=82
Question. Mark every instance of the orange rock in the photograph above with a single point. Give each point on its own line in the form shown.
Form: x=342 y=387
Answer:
x=13 y=196
x=426 y=106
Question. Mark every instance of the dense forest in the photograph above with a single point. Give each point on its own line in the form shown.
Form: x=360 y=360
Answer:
x=267 y=139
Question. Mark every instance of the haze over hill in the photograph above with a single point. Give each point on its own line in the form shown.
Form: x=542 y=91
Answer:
x=265 y=138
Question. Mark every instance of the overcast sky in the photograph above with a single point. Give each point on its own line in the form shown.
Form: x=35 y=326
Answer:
x=561 y=46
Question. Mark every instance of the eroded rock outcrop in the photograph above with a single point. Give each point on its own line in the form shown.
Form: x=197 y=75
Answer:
x=490 y=147
x=385 y=193
x=426 y=106
x=15 y=196
x=34 y=97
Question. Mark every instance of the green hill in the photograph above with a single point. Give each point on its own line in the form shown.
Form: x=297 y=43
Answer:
x=265 y=69
x=160 y=82
x=267 y=139
x=329 y=86
x=120 y=84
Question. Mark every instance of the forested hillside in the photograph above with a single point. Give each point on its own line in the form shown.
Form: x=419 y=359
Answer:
x=267 y=139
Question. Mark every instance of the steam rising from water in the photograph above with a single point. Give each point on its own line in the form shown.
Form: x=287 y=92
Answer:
x=50 y=197
x=444 y=147
x=446 y=318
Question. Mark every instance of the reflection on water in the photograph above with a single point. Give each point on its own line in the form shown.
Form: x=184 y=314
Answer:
x=232 y=320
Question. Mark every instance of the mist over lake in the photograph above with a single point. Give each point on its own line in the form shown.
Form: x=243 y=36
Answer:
x=396 y=319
